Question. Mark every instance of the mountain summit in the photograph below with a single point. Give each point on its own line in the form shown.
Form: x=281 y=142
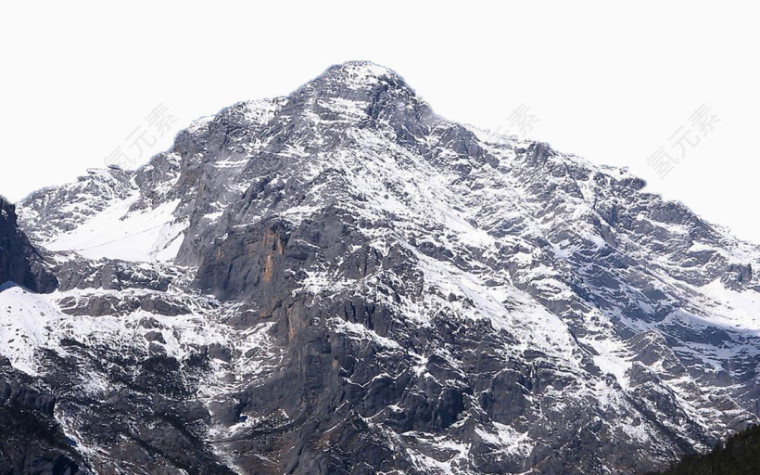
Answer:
x=341 y=281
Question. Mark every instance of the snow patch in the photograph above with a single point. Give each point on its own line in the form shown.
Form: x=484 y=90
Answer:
x=118 y=233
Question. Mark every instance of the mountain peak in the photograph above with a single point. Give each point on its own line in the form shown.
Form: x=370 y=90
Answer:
x=363 y=67
x=360 y=75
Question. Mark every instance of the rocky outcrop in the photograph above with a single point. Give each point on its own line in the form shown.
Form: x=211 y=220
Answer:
x=32 y=441
x=20 y=262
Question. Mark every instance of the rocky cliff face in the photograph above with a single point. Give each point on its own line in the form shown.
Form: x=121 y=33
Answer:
x=20 y=262
x=340 y=281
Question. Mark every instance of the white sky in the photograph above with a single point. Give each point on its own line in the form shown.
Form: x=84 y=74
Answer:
x=606 y=81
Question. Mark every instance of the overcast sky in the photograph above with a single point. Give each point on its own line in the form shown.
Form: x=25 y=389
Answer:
x=619 y=85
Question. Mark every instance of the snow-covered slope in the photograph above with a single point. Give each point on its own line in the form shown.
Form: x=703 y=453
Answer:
x=25 y=327
x=340 y=281
x=117 y=233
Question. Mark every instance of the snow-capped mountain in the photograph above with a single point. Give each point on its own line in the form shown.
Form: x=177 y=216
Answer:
x=340 y=281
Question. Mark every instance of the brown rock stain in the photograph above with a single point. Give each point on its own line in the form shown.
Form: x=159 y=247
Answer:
x=268 y=267
x=291 y=331
x=280 y=246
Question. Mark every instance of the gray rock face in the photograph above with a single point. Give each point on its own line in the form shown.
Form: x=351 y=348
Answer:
x=20 y=262
x=340 y=281
x=32 y=440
